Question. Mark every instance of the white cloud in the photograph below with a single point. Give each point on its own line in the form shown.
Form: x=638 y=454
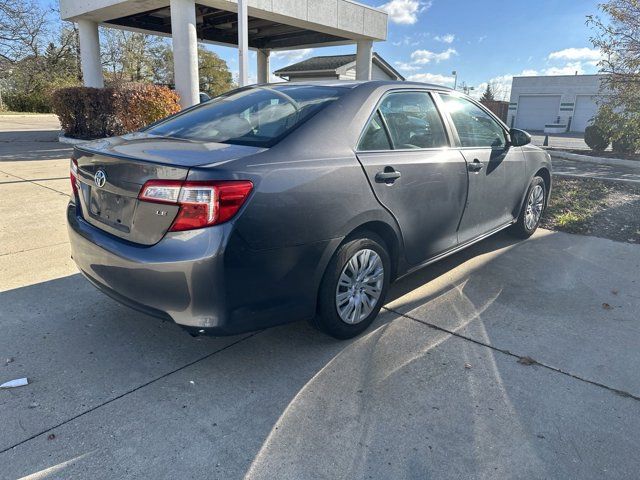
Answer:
x=573 y=54
x=431 y=78
x=422 y=57
x=500 y=85
x=448 y=38
x=292 y=55
x=405 y=12
x=406 y=67
x=568 y=69
x=406 y=40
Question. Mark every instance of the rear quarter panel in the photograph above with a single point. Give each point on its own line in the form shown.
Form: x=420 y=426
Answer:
x=311 y=187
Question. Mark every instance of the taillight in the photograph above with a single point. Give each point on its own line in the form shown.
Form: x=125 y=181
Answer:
x=202 y=204
x=73 y=176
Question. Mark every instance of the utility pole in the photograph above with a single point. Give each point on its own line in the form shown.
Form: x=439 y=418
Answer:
x=455 y=79
x=466 y=88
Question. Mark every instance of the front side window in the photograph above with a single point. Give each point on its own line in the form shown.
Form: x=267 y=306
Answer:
x=259 y=116
x=413 y=121
x=476 y=128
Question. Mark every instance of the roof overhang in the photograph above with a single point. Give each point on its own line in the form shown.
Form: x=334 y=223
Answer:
x=273 y=24
x=379 y=62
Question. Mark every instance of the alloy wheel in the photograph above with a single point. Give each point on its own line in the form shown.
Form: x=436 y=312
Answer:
x=359 y=286
x=535 y=205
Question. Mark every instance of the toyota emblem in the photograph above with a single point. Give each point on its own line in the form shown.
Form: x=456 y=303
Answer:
x=100 y=178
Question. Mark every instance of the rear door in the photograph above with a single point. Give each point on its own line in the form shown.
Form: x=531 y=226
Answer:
x=405 y=153
x=496 y=170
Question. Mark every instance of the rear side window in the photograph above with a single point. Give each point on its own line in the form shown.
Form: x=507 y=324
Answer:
x=375 y=136
x=413 y=121
x=476 y=128
x=259 y=116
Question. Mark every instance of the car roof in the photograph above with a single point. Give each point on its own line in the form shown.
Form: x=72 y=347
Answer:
x=359 y=83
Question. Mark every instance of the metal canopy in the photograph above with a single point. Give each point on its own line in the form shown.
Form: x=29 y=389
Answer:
x=220 y=26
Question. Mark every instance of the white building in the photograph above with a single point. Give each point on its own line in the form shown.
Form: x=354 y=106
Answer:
x=568 y=100
x=340 y=67
x=260 y=25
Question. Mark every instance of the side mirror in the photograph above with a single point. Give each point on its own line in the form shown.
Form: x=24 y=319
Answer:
x=519 y=138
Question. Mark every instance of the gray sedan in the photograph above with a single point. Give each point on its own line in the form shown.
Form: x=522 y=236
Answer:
x=275 y=203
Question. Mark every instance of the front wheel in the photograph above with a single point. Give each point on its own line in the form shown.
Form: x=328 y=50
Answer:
x=353 y=287
x=529 y=218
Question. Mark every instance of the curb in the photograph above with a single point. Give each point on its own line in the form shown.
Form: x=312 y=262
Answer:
x=71 y=141
x=616 y=162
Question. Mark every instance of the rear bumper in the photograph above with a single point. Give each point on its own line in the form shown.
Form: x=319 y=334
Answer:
x=204 y=279
x=180 y=278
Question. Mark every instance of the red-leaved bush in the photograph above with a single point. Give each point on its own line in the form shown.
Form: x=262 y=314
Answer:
x=89 y=113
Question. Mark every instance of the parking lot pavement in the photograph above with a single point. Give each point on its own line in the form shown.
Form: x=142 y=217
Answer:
x=569 y=141
x=438 y=388
x=30 y=137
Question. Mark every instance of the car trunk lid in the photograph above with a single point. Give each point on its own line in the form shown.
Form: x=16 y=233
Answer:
x=112 y=172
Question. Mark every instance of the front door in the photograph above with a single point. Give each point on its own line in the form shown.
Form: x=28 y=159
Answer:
x=495 y=169
x=415 y=175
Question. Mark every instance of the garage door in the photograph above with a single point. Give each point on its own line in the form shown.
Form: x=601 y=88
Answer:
x=535 y=111
x=586 y=108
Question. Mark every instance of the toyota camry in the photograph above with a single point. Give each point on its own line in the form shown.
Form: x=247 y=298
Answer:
x=282 y=202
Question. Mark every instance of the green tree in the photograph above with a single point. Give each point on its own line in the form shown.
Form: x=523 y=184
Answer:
x=488 y=95
x=215 y=77
x=128 y=56
x=37 y=54
x=618 y=38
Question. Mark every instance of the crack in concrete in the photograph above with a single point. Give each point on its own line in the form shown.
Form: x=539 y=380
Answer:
x=34 y=182
x=128 y=392
x=32 y=249
x=617 y=391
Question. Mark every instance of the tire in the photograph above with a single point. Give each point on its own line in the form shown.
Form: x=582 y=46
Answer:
x=329 y=318
x=526 y=225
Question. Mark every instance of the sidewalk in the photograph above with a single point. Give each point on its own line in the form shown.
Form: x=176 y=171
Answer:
x=584 y=169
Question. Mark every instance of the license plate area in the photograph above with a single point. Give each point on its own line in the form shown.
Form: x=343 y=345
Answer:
x=112 y=209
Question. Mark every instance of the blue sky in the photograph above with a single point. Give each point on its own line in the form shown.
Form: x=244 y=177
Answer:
x=483 y=40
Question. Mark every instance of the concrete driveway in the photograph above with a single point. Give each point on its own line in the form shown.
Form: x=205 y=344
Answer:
x=437 y=389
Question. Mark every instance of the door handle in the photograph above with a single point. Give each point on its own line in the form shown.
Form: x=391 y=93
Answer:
x=388 y=176
x=475 y=166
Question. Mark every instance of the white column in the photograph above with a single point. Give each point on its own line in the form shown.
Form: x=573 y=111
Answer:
x=90 y=54
x=363 y=60
x=263 y=65
x=243 y=43
x=185 y=51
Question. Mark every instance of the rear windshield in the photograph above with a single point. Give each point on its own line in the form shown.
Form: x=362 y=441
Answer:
x=259 y=116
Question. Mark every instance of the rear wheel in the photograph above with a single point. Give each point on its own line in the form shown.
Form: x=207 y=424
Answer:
x=353 y=287
x=531 y=212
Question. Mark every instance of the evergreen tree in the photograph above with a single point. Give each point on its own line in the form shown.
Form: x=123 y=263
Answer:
x=488 y=95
